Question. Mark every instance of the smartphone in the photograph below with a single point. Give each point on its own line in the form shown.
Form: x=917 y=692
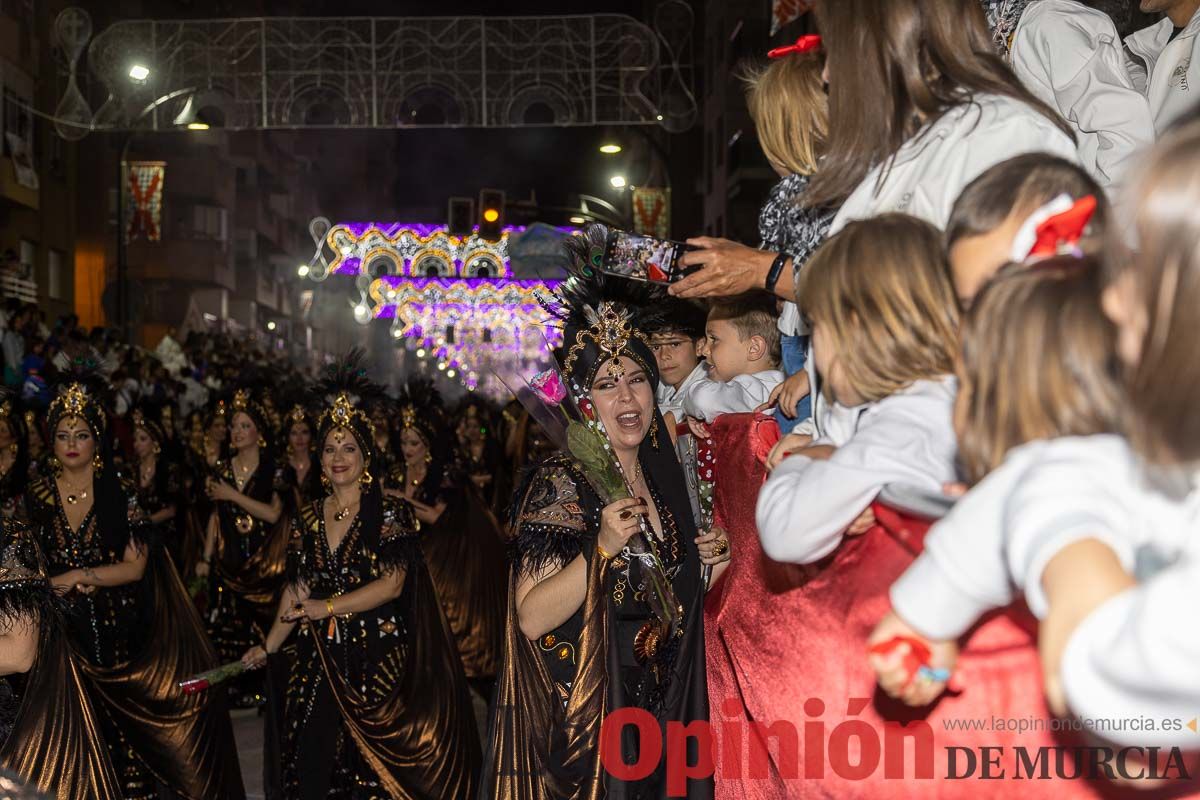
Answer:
x=644 y=258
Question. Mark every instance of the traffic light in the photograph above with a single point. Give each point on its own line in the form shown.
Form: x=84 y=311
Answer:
x=460 y=216
x=491 y=213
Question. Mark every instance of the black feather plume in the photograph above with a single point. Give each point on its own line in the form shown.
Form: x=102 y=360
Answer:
x=349 y=375
x=587 y=286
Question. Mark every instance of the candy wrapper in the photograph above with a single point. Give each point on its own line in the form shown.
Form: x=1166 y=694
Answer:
x=206 y=680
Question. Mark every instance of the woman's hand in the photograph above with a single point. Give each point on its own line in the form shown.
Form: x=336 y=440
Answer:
x=312 y=610
x=67 y=580
x=220 y=490
x=726 y=268
x=785 y=447
x=255 y=657
x=788 y=395
x=894 y=677
x=714 y=546
x=618 y=522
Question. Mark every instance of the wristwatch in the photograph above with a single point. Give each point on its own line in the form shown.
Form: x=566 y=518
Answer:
x=776 y=270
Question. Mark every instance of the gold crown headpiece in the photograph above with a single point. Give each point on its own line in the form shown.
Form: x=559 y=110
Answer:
x=611 y=329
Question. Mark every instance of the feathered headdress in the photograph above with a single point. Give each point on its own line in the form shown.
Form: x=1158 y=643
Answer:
x=345 y=395
x=81 y=390
x=421 y=409
x=24 y=584
x=603 y=317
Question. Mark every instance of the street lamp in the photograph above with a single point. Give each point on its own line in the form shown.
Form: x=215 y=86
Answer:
x=302 y=270
x=271 y=325
x=139 y=73
x=610 y=148
x=617 y=181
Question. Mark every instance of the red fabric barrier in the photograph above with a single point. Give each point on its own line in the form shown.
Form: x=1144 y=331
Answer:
x=788 y=643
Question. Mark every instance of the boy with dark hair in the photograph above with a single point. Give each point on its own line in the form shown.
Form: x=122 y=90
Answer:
x=677 y=347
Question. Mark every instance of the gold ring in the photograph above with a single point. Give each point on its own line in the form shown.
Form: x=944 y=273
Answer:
x=721 y=547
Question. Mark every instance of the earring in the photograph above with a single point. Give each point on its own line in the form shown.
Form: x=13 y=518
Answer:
x=428 y=458
x=157 y=448
x=325 y=484
x=12 y=449
x=290 y=452
x=262 y=443
x=55 y=465
x=97 y=463
x=366 y=478
x=654 y=433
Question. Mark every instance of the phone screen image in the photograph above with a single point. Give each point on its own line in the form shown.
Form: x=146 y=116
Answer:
x=642 y=258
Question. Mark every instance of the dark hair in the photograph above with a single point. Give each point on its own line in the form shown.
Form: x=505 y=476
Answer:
x=752 y=314
x=684 y=317
x=1021 y=184
x=895 y=66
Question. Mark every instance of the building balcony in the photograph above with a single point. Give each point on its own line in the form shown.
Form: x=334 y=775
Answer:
x=12 y=191
x=18 y=288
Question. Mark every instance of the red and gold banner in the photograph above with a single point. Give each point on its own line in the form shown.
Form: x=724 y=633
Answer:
x=652 y=212
x=144 y=200
x=786 y=11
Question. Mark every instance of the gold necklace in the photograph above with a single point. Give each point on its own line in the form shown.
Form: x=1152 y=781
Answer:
x=338 y=516
x=74 y=496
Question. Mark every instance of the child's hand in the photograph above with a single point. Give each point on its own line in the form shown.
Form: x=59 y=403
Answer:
x=895 y=670
x=863 y=523
x=785 y=447
x=788 y=395
x=699 y=428
x=955 y=489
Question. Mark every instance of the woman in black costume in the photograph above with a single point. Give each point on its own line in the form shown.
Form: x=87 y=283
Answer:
x=582 y=640
x=376 y=703
x=128 y=616
x=50 y=736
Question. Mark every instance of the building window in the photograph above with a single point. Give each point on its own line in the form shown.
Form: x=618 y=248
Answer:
x=18 y=121
x=209 y=222
x=28 y=257
x=55 y=277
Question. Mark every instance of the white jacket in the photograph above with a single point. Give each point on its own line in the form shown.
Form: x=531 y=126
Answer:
x=997 y=540
x=670 y=399
x=908 y=439
x=1172 y=68
x=1138 y=656
x=707 y=399
x=931 y=170
x=1071 y=57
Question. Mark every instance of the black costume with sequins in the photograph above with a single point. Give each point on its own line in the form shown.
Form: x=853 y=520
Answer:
x=376 y=703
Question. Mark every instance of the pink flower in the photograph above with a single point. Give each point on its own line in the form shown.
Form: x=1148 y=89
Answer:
x=549 y=387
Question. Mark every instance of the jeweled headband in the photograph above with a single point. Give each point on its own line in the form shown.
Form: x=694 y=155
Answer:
x=245 y=402
x=609 y=336
x=344 y=413
x=74 y=400
x=149 y=425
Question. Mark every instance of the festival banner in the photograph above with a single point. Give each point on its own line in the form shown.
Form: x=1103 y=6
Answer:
x=652 y=212
x=143 y=200
x=786 y=11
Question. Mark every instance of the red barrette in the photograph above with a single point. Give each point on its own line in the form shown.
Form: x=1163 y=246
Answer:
x=805 y=44
x=1053 y=229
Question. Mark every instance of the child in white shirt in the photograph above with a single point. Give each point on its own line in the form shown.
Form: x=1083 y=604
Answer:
x=742 y=349
x=1038 y=404
x=677 y=347
x=884 y=320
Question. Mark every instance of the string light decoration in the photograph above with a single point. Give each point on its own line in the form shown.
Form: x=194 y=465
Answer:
x=453 y=301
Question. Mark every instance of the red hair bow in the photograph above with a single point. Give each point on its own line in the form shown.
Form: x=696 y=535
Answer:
x=1062 y=232
x=805 y=44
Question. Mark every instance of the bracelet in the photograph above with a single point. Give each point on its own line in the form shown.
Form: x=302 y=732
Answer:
x=776 y=270
x=329 y=605
x=606 y=556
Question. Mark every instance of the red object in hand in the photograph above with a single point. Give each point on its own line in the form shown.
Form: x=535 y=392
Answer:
x=918 y=653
